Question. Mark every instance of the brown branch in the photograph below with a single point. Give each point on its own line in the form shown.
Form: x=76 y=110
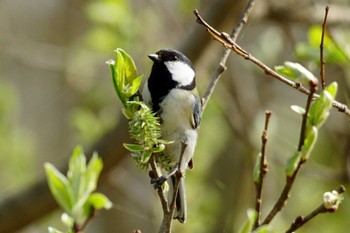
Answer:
x=285 y=194
x=227 y=42
x=155 y=175
x=322 y=61
x=222 y=64
x=300 y=220
x=263 y=169
x=168 y=210
x=313 y=89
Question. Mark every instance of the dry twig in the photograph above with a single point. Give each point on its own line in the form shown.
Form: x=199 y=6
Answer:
x=263 y=169
x=227 y=42
x=322 y=61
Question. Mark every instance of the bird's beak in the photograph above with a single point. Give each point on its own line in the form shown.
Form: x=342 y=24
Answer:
x=154 y=57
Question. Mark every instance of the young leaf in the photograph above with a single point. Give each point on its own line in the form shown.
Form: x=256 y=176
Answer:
x=262 y=229
x=292 y=164
x=53 y=230
x=248 y=226
x=298 y=109
x=99 y=201
x=309 y=143
x=145 y=156
x=256 y=171
x=112 y=64
x=76 y=172
x=67 y=220
x=93 y=171
x=59 y=187
x=120 y=76
x=133 y=147
x=129 y=66
x=296 y=72
x=320 y=109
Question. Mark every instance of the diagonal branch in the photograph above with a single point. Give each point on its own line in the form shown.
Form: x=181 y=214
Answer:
x=221 y=67
x=227 y=42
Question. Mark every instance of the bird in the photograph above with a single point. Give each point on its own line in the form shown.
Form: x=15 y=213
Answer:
x=171 y=92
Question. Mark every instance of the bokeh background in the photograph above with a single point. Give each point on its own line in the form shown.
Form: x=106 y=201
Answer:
x=56 y=92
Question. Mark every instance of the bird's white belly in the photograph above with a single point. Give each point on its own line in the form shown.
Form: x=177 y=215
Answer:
x=177 y=109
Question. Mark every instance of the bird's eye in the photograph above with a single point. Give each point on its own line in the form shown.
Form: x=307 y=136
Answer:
x=175 y=58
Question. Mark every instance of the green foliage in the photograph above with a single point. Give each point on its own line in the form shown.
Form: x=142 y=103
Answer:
x=296 y=72
x=311 y=50
x=249 y=224
x=256 y=170
x=144 y=125
x=74 y=192
x=125 y=80
x=319 y=111
x=317 y=115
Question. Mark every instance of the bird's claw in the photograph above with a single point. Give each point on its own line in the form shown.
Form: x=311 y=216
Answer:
x=158 y=182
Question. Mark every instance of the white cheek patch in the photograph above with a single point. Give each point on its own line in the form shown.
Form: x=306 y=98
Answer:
x=182 y=73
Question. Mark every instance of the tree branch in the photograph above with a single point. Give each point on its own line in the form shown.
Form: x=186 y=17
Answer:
x=322 y=61
x=300 y=220
x=285 y=194
x=263 y=170
x=227 y=42
x=222 y=64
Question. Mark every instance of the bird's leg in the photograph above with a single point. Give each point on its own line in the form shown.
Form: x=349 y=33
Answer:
x=157 y=182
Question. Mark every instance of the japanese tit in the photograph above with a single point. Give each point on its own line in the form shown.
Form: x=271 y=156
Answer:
x=171 y=92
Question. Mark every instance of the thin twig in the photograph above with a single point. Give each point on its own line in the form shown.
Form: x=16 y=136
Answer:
x=263 y=169
x=300 y=220
x=160 y=192
x=285 y=194
x=322 y=61
x=167 y=221
x=313 y=89
x=226 y=41
x=222 y=64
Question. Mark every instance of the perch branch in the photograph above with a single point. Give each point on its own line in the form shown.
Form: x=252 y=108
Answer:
x=227 y=42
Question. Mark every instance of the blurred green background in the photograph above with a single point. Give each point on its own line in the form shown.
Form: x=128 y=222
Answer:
x=56 y=92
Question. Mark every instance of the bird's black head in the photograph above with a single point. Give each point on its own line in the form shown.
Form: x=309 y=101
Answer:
x=171 y=69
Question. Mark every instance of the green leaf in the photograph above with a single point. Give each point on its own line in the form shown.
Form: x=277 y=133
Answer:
x=76 y=172
x=256 y=171
x=298 y=109
x=93 y=171
x=133 y=147
x=159 y=148
x=53 y=230
x=145 y=156
x=248 y=225
x=319 y=111
x=99 y=201
x=120 y=76
x=262 y=229
x=67 y=220
x=309 y=143
x=129 y=66
x=59 y=187
x=311 y=50
x=292 y=164
x=296 y=72
x=133 y=87
x=112 y=64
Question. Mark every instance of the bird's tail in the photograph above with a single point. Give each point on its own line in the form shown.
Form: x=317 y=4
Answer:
x=180 y=212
